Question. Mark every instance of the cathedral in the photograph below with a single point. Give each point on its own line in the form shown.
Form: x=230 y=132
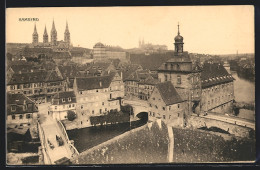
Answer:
x=63 y=45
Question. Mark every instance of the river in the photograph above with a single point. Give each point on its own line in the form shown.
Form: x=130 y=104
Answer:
x=89 y=137
x=244 y=91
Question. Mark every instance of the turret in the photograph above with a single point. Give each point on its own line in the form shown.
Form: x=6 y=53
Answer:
x=178 y=42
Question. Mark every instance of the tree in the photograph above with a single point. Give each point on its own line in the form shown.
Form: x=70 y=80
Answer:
x=71 y=115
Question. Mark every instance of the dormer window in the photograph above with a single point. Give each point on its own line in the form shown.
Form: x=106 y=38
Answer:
x=69 y=99
x=63 y=100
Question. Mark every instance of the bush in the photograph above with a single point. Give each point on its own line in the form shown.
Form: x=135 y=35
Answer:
x=71 y=115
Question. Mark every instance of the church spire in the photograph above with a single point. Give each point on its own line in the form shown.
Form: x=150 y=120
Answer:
x=53 y=34
x=45 y=35
x=67 y=33
x=178 y=29
x=45 y=31
x=35 y=30
x=35 y=36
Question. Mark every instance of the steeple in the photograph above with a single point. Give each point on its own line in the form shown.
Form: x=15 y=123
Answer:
x=45 y=35
x=178 y=29
x=35 y=35
x=178 y=41
x=67 y=34
x=53 y=34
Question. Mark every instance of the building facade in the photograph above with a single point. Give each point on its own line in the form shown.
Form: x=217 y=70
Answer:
x=217 y=89
x=61 y=103
x=99 y=51
x=96 y=96
x=183 y=74
x=166 y=104
x=20 y=110
x=39 y=86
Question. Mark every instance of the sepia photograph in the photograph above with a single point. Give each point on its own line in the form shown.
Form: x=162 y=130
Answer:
x=130 y=85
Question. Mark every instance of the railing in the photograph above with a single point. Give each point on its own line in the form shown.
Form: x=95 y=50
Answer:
x=72 y=148
x=46 y=157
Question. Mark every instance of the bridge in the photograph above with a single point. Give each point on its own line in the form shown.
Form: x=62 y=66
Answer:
x=48 y=129
x=138 y=106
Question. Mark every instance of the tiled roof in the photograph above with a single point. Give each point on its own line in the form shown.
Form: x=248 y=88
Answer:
x=68 y=71
x=24 y=68
x=34 y=77
x=19 y=100
x=169 y=94
x=213 y=74
x=149 y=81
x=60 y=55
x=63 y=98
x=90 y=83
x=31 y=77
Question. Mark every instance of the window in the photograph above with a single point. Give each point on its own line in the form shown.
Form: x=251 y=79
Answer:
x=20 y=116
x=13 y=117
x=156 y=107
x=63 y=100
x=165 y=77
x=178 y=79
x=55 y=107
x=93 y=112
x=153 y=114
x=103 y=103
x=110 y=96
x=69 y=106
x=178 y=67
x=96 y=90
x=69 y=99
x=81 y=106
x=178 y=114
x=100 y=111
x=80 y=92
x=13 y=108
x=178 y=105
x=169 y=107
x=163 y=108
x=28 y=116
x=164 y=117
x=73 y=105
x=12 y=87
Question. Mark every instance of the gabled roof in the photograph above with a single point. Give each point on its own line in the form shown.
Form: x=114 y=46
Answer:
x=213 y=74
x=90 y=83
x=168 y=92
x=19 y=100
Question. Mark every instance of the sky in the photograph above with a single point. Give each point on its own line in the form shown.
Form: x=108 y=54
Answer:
x=206 y=29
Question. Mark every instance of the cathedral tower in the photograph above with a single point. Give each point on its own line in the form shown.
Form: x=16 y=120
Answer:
x=35 y=36
x=67 y=34
x=45 y=36
x=53 y=34
x=178 y=42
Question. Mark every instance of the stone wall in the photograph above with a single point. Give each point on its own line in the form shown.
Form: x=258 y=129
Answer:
x=196 y=146
x=146 y=144
x=237 y=130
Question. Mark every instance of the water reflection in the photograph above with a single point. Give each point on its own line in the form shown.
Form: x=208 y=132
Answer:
x=89 y=137
x=244 y=90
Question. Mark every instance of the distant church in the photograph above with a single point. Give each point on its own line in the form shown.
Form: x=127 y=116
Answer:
x=53 y=43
